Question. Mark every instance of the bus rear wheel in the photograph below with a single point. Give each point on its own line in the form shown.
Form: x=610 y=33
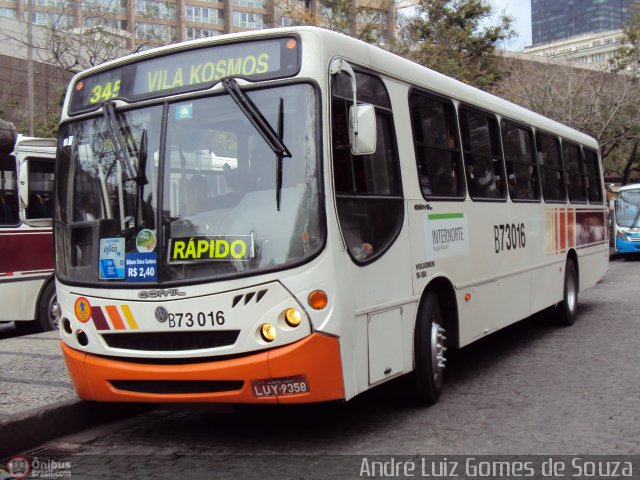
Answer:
x=428 y=375
x=567 y=309
x=45 y=319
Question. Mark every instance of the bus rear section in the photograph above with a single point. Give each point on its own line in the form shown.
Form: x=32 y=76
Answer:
x=27 y=289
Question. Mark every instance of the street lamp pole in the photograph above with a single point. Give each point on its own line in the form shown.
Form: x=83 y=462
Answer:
x=30 y=89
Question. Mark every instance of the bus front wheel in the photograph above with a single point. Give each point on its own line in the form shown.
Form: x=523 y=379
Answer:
x=428 y=375
x=567 y=309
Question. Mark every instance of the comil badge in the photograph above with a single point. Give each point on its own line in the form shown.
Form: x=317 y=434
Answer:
x=82 y=309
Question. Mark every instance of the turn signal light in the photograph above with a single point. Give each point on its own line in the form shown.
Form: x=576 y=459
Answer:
x=268 y=332
x=293 y=317
x=317 y=300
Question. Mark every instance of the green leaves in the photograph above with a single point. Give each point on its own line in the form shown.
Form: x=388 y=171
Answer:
x=455 y=37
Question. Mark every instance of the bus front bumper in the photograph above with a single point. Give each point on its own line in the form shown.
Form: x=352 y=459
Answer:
x=623 y=246
x=307 y=371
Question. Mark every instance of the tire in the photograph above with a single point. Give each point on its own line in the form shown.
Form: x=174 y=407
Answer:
x=428 y=376
x=46 y=320
x=567 y=309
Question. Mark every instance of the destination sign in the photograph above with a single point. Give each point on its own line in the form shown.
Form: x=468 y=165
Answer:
x=188 y=70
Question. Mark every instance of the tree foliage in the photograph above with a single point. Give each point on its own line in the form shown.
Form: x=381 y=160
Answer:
x=455 y=37
x=74 y=35
x=602 y=104
x=367 y=21
x=627 y=57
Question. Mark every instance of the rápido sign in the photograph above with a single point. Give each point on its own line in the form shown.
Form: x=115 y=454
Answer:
x=210 y=248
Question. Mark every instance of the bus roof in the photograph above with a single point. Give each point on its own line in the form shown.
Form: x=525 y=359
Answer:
x=360 y=53
x=632 y=186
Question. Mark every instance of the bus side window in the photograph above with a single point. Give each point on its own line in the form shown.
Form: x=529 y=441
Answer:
x=482 y=155
x=8 y=192
x=437 y=148
x=551 y=170
x=593 y=175
x=522 y=171
x=576 y=177
x=40 y=188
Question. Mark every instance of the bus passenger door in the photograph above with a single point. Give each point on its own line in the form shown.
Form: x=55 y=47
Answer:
x=370 y=211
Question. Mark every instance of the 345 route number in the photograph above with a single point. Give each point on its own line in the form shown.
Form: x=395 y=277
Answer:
x=509 y=236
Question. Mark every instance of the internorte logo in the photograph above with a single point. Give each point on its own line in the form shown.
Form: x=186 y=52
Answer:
x=211 y=248
x=447 y=235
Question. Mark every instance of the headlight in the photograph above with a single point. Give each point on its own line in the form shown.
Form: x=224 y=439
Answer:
x=622 y=236
x=293 y=317
x=268 y=332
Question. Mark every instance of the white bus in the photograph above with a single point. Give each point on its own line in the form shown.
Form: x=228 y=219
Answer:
x=340 y=247
x=626 y=220
x=27 y=287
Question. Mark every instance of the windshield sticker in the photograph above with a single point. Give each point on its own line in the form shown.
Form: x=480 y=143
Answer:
x=447 y=235
x=142 y=267
x=111 y=259
x=184 y=112
x=211 y=248
x=146 y=241
x=68 y=142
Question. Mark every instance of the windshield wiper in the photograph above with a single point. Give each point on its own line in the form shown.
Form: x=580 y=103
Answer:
x=262 y=126
x=142 y=177
x=109 y=114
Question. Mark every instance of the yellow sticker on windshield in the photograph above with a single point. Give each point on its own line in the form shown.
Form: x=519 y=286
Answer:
x=211 y=248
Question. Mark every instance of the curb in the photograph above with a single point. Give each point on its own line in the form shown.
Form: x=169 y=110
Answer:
x=34 y=427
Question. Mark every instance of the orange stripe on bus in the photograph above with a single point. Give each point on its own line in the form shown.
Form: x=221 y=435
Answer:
x=572 y=226
x=112 y=311
x=129 y=316
x=563 y=230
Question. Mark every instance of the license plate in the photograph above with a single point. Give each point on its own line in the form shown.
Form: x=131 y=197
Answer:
x=280 y=387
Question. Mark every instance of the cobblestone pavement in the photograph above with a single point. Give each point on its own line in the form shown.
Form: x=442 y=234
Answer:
x=33 y=373
x=532 y=388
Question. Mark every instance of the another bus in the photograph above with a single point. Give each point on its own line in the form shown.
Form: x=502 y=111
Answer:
x=371 y=215
x=626 y=220
x=27 y=286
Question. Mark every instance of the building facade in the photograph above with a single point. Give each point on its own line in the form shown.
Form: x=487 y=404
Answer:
x=145 y=22
x=592 y=50
x=553 y=20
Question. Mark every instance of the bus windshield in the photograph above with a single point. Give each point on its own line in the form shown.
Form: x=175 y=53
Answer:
x=214 y=177
x=628 y=209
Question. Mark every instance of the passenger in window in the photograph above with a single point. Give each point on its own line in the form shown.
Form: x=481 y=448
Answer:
x=487 y=182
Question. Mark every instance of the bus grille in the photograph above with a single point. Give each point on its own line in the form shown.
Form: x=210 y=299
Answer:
x=168 y=387
x=171 y=341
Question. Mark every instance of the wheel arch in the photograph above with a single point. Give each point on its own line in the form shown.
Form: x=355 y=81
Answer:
x=47 y=282
x=446 y=293
x=573 y=256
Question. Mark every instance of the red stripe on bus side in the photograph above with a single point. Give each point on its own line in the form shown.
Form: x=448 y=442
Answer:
x=26 y=251
x=98 y=319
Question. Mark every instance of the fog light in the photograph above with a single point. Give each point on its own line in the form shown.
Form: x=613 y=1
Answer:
x=317 y=300
x=66 y=326
x=268 y=332
x=293 y=317
x=82 y=338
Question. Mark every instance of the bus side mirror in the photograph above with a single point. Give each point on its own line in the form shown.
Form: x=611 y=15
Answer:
x=362 y=129
x=23 y=185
